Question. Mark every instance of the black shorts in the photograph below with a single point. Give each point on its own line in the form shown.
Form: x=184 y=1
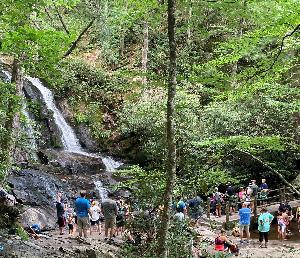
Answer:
x=93 y=223
x=61 y=222
x=71 y=226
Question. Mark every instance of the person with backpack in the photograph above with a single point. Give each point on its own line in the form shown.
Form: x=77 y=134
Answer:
x=109 y=209
x=218 y=199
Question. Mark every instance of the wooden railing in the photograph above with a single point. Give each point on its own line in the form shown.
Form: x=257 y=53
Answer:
x=275 y=196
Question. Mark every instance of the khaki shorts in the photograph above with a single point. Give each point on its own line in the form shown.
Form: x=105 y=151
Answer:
x=244 y=227
x=110 y=222
x=83 y=223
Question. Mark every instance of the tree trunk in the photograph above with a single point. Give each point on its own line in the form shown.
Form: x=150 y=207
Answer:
x=171 y=144
x=189 y=31
x=145 y=52
x=239 y=35
x=122 y=45
x=74 y=44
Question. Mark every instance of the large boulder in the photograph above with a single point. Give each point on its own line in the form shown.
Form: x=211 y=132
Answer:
x=45 y=217
x=36 y=191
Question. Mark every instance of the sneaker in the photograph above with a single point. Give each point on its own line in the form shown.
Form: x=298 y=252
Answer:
x=241 y=241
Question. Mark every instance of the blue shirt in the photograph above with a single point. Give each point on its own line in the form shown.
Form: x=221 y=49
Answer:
x=245 y=214
x=264 y=221
x=82 y=205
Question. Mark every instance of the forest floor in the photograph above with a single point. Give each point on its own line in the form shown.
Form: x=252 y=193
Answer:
x=56 y=246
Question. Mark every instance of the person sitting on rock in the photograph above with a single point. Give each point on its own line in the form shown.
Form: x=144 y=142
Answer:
x=222 y=243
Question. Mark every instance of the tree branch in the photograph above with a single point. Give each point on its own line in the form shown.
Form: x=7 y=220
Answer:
x=74 y=44
x=61 y=19
x=271 y=169
x=278 y=53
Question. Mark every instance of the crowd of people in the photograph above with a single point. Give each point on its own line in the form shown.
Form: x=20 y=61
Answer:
x=236 y=198
x=87 y=216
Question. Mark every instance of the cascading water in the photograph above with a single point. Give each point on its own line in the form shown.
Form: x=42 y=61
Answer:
x=101 y=190
x=69 y=139
x=8 y=76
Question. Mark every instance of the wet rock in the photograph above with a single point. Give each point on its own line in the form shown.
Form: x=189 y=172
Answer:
x=86 y=138
x=75 y=163
x=36 y=188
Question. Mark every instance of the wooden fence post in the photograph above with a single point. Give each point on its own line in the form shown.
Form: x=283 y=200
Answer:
x=208 y=208
x=280 y=195
x=255 y=208
x=227 y=214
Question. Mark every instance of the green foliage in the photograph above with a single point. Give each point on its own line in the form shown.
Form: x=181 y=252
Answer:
x=20 y=231
x=9 y=106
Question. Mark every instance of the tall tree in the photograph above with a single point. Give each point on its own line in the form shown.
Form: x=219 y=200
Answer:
x=171 y=153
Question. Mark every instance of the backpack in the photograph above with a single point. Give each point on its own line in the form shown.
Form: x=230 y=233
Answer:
x=218 y=198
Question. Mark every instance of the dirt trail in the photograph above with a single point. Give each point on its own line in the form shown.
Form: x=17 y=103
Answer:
x=56 y=246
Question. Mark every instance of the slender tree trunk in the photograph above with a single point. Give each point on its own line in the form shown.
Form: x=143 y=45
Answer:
x=171 y=144
x=61 y=19
x=74 y=44
x=122 y=45
x=189 y=31
x=239 y=35
x=145 y=52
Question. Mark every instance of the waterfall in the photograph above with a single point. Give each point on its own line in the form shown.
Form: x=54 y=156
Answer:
x=69 y=138
x=101 y=190
x=8 y=75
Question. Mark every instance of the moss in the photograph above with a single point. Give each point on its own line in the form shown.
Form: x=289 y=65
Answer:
x=21 y=232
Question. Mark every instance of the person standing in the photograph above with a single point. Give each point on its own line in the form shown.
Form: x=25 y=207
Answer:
x=109 y=209
x=60 y=211
x=264 y=222
x=82 y=206
x=245 y=215
x=95 y=218
x=218 y=200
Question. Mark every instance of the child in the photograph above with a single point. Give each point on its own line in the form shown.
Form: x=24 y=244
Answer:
x=70 y=221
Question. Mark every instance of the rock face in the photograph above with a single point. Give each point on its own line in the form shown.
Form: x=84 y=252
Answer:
x=86 y=138
x=36 y=191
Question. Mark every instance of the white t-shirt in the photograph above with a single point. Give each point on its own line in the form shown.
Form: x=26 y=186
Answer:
x=179 y=216
x=95 y=210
